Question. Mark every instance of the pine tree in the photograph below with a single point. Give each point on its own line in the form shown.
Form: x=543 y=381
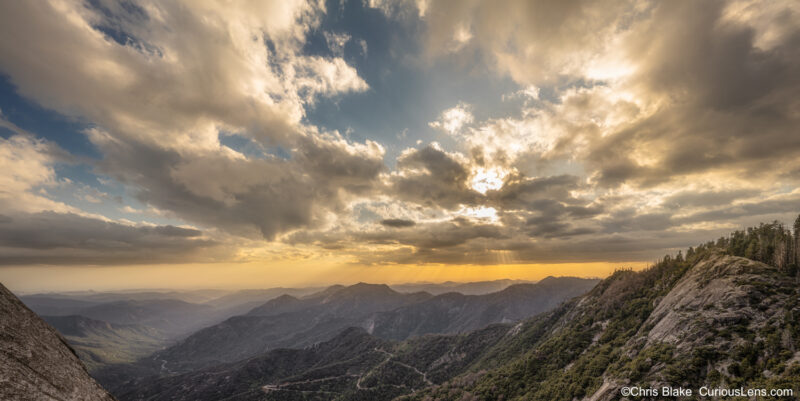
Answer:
x=779 y=255
x=797 y=241
x=750 y=251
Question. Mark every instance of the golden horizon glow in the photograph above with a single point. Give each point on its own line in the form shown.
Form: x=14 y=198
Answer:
x=192 y=276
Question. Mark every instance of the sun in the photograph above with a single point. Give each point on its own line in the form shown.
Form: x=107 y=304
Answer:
x=486 y=179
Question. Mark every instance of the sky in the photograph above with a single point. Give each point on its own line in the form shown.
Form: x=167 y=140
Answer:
x=244 y=144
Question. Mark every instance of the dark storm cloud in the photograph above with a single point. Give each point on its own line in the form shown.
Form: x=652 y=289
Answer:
x=629 y=246
x=522 y=192
x=544 y=207
x=397 y=223
x=433 y=178
x=66 y=238
x=428 y=235
x=713 y=60
x=335 y=164
x=433 y=236
x=249 y=197
x=732 y=102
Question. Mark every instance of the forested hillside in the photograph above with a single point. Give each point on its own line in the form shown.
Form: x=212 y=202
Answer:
x=709 y=318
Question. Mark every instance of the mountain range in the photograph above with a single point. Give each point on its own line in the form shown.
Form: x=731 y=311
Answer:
x=471 y=288
x=291 y=322
x=712 y=319
x=454 y=312
x=108 y=328
x=119 y=328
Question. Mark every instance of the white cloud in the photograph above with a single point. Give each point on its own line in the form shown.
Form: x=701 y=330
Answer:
x=27 y=170
x=534 y=42
x=364 y=48
x=186 y=69
x=454 y=119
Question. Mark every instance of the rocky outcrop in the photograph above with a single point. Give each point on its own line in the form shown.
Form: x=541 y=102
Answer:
x=729 y=320
x=35 y=361
x=718 y=292
x=711 y=320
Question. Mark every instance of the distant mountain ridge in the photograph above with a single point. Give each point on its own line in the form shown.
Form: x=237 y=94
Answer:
x=290 y=322
x=469 y=288
x=282 y=323
x=153 y=319
x=193 y=296
x=107 y=328
x=341 y=300
x=239 y=302
x=715 y=320
x=453 y=312
x=173 y=317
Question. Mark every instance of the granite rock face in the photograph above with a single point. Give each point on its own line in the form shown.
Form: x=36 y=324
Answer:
x=35 y=361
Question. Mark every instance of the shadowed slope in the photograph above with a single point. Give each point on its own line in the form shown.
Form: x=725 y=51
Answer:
x=35 y=361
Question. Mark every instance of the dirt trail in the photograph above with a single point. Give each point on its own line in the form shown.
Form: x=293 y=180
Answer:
x=389 y=356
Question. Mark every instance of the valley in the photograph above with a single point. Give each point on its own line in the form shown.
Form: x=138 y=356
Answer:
x=713 y=319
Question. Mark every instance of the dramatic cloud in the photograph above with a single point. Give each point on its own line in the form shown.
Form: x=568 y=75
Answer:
x=163 y=80
x=725 y=103
x=66 y=238
x=618 y=130
x=684 y=108
x=432 y=177
x=249 y=197
x=35 y=229
x=533 y=41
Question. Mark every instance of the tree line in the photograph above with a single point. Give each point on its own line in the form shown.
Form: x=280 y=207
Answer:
x=770 y=243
